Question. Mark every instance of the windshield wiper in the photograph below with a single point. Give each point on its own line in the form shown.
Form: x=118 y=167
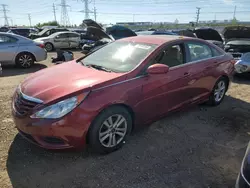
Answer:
x=98 y=67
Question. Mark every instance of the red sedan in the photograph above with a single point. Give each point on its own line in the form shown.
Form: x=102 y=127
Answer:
x=100 y=98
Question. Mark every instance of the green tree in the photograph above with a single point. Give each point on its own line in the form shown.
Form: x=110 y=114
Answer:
x=50 y=23
x=234 y=21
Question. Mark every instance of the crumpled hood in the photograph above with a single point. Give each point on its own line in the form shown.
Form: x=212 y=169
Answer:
x=60 y=80
x=42 y=38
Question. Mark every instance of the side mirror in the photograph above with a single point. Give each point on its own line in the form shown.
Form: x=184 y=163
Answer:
x=158 y=69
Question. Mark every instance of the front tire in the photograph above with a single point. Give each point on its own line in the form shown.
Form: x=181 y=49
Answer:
x=25 y=60
x=218 y=92
x=110 y=129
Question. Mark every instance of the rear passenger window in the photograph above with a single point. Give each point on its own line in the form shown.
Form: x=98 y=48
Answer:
x=199 y=51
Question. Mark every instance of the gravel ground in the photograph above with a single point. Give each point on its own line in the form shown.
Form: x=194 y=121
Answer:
x=197 y=147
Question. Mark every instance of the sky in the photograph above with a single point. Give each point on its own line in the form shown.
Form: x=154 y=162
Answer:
x=112 y=11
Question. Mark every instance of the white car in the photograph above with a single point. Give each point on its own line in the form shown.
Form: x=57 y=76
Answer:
x=60 y=40
x=15 y=49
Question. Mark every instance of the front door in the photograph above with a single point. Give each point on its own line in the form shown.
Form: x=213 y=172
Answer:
x=61 y=41
x=166 y=92
x=8 y=48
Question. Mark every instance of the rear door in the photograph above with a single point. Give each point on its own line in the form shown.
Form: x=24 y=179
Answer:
x=74 y=40
x=8 y=48
x=201 y=65
x=61 y=41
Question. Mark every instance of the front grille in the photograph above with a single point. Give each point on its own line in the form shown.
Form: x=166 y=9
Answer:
x=22 y=105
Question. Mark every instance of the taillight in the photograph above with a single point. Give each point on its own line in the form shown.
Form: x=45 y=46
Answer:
x=41 y=45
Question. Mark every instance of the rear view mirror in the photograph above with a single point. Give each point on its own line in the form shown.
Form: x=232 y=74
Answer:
x=158 y=69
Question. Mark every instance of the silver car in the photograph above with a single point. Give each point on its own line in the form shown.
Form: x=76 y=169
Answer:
x=243 y=64
x=61 y=40
x=15 y=49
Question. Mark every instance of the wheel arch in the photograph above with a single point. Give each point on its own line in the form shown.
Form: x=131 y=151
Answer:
x=125 y=106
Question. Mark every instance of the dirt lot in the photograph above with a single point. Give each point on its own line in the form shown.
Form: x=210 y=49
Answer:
x=198 y=147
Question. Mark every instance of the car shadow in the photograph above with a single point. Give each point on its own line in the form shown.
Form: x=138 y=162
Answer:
x=197 y=147
x=12 y=70
x=242 y=78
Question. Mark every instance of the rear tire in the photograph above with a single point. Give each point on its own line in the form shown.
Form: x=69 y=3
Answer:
x=25 y=60
x=218 y=92
x=110 y=129
x=49 y=47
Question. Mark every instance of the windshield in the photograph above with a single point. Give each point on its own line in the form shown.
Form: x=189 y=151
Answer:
x=119 y=56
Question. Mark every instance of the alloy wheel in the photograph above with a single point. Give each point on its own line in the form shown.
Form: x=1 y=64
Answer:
x=25 y=60
x=219 y=91
x=113 y=130
x=48 y=47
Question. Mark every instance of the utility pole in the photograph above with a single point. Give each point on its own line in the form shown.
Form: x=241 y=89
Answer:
x=29 y=19
x=95 y=13
x=54 y=11
x=4 y=10
x=94 y=10
x=197 y=15
x=86 y=10
x=234 y=12
x=64 y=13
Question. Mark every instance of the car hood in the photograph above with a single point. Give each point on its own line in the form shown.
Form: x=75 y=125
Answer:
x=208 y=34
x=91 y=23
x=118 y=32
x=42 y=38
x=61 y=80
x=97 y=33
x=235 y=32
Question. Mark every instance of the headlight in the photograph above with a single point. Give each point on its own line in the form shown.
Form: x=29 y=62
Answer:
x=59 y=109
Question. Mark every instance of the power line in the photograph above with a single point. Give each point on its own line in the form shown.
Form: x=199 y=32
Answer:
x=4 y=10
x=64 y=13
x=54 y=11
x=198 y=15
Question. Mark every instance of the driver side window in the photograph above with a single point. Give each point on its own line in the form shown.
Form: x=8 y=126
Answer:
x=171 y=56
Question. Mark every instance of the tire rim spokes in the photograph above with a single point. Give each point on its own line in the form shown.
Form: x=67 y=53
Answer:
x=113 y=130
x=25 y=60
x=219 y=91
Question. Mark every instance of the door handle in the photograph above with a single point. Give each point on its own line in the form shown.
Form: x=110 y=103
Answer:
x=186 y=73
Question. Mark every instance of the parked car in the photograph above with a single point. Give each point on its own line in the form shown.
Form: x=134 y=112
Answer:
x=160 y=32
x=4 y=29
x=184 y=32
x=243 y=180
x=60 y=40
x=96 y=36
x=237 y=40
x=16 y=49
x=243 y=64
x=46 y=32
x=210 y=35
x=99 y=98
x=25 y=32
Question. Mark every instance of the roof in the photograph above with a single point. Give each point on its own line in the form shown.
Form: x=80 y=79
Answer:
x=153 y=39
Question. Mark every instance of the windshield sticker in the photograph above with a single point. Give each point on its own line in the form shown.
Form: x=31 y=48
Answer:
x=145 y=47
